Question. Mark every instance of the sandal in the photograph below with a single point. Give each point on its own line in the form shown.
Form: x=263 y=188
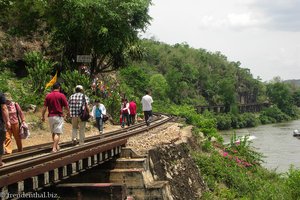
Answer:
x=53 y=151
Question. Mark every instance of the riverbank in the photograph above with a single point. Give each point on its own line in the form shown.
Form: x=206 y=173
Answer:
x=275 y=142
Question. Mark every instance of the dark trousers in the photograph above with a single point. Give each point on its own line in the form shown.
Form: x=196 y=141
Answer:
x=125 y=115
x=132 y=119
x=99 y=123
x=148 y=116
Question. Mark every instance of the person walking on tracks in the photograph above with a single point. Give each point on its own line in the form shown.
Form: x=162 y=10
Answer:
x=55 y=102
x=16 y=118
x=98 y=112
x=4 y=124
x=132 y=108
x=125 y=113
x=76 y=102
x=147 y=107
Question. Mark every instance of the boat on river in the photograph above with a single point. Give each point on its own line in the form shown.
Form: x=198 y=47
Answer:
x=296 y=133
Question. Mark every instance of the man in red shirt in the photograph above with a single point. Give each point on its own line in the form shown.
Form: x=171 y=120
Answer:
x=132 y=108
x=55 y=101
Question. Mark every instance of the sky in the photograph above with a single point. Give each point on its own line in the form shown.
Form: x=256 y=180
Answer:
x=264 y=35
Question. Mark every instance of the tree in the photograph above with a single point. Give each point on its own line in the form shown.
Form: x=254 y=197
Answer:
x=279 y=94
x=22 y=18
x=296 y=98
x=227 y=90
x=106 y=29
x=134 y=80
x=159 y=86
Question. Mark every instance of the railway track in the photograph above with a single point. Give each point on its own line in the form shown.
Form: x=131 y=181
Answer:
x=37 y=160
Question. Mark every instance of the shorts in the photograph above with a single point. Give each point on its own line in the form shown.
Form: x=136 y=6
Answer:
x=56 y=124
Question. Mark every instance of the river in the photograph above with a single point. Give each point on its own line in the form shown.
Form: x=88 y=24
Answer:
x=275 y=142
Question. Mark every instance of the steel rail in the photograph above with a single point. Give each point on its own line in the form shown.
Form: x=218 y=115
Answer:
x=38 y=166
x=12 y=173
x=46 y=147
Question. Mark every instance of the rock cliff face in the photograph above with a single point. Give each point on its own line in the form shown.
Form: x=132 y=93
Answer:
x=14 y=48
x=173 y=163
x=168 y=150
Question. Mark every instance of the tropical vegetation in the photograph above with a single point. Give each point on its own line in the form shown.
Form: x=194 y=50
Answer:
x=41 y=38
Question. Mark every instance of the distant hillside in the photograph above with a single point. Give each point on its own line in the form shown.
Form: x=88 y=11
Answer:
x=293 y=82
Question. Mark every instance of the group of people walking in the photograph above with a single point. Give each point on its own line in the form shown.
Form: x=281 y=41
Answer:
x=129 y=110
x=55 y=102
x=12 y=116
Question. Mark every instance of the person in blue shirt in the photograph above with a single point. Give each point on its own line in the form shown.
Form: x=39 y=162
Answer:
x=98 y=112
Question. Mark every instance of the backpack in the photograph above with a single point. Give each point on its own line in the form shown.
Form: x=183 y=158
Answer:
x=98 y=112
x=84 y=114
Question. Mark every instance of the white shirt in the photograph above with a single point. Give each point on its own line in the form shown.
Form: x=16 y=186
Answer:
x=101 y=107
x=146 y=102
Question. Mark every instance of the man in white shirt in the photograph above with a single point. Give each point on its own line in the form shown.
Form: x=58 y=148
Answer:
x=147 y=107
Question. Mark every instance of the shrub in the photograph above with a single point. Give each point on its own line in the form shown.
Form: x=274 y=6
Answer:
x=73 y=78
x=271 y=113
x=226 y=179
x=266 y=119
x=249 y=120
x=229 y=120
x=38 y=68
x=4 y=76
x=223 y=121
x=293 y=182
x=207 y=146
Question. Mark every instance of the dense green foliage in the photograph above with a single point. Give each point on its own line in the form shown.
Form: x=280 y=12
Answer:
x=73 y=78
x=19 y=89
x=273 y=115
x=107 y=30
x=199 y=77
x=37 y=68
x=180 y=78
x=280 y=95
x=227 y=121
x=182 y=75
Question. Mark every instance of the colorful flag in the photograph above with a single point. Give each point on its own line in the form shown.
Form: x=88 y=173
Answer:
x=53 y=80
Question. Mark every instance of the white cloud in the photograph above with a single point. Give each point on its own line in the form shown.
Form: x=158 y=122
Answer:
x=243 y=20
x=262 y=34
x=212 y=22
x=236 y=21
x=283 y=15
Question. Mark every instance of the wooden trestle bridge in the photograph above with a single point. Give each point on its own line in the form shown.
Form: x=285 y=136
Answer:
x=251 y=107
x=35 y=168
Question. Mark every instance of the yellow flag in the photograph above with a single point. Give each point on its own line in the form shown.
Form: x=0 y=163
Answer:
x=53 y=80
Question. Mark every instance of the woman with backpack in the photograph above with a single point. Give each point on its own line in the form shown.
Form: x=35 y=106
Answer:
x=98 y=112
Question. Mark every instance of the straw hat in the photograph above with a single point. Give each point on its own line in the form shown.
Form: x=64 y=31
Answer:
x=8 y=96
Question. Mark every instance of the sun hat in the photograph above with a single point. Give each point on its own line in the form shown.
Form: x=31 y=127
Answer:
x=79 y=87
x=8 y=96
